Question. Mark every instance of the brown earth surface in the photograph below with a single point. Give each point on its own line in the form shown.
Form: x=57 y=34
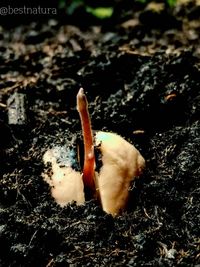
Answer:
x=141 y=72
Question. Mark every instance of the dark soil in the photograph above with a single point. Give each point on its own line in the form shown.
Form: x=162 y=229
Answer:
x=141 y=73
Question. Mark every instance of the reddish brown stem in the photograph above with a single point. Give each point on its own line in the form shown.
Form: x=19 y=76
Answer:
x=89 y=158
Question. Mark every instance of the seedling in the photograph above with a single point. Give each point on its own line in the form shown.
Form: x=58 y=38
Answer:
x=89 y=159
x=120 y=163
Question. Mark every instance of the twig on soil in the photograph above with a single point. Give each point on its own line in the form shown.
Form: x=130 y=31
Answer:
x=34 y=234
x=147 y=215
x=2 y=105
x=49 y=263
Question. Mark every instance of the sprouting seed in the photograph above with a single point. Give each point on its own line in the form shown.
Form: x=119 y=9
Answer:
x=110 y=163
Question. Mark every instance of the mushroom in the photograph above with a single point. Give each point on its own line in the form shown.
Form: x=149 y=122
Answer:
x=110 y=164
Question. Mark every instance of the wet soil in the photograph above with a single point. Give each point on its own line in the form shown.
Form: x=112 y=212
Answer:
x=141 y=73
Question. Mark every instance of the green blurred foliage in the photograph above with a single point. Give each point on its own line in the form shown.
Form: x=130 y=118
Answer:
x=100 y=12
x=171 y=3
x=70 y=6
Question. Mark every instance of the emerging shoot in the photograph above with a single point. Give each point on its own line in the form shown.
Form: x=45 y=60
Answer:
x=106 y=177
x=89 y=158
